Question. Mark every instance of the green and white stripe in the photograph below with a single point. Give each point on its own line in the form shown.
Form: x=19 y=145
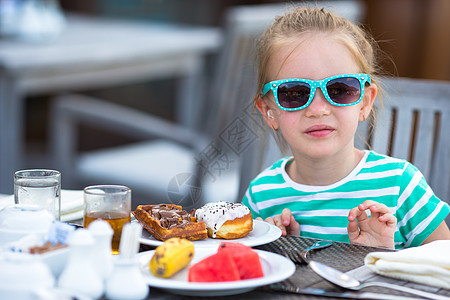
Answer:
x=322 y=210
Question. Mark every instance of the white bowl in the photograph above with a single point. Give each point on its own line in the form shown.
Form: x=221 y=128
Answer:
x=21 y=274
x=56 y=260
x=19 y=220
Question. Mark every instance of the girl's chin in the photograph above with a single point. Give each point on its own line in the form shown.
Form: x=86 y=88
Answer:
x=321 y=151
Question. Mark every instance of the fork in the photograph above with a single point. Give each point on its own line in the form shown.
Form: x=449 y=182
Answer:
x=293 y=254
x=301 y=257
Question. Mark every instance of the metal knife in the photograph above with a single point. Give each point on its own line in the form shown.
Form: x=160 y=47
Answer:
x=337 y=294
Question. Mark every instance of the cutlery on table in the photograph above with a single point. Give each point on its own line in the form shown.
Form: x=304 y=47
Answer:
x=288 y=286
x=343 y=280
x=301 y=257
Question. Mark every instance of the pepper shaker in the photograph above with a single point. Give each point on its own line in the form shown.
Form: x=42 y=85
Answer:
x=79 y=275
x=126 y=281
x=102 y=233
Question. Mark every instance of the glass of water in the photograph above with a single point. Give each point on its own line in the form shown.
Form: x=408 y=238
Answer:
x=39 y=187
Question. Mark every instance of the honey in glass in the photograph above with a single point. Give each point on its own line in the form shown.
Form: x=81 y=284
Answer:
x=116 y=219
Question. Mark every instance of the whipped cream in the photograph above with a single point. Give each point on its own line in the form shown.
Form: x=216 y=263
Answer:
x=215 y=214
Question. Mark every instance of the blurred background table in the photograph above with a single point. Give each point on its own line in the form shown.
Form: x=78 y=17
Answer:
x=97 y=53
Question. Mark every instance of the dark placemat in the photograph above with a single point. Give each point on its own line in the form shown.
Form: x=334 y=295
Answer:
x=342 y=256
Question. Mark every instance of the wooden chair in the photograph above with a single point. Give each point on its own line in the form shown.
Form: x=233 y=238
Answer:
x=413 y=125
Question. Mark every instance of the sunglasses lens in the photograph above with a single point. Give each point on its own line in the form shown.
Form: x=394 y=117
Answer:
x=293 y=94
x=345 y=90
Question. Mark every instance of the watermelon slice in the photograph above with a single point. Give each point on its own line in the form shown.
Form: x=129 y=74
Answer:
x=214 y=268
x=246 y=259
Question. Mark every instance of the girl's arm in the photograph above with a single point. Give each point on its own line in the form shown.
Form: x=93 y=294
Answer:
x=440 y=233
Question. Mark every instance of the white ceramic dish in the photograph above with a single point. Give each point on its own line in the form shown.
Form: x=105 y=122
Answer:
x=20 y=274
x=261 y=234
x=56 y=260
x=275 y=268
x=20 y=220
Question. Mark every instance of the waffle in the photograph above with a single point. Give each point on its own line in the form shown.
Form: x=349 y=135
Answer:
x=165 y=221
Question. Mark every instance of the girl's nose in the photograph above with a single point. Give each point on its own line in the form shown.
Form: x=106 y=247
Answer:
x=318 y=106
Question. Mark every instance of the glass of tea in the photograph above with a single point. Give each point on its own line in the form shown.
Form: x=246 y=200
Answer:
x=111 y=203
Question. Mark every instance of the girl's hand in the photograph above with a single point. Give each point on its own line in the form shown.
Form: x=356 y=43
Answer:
x=285 y=222
x=377 y=231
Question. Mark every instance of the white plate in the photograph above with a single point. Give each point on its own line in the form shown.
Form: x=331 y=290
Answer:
x=275 y=268
x=261 y=234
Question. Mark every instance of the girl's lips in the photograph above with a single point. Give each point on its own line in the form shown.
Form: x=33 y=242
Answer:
x=319 y=130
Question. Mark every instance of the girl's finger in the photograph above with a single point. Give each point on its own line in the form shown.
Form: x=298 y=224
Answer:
x=270 y=220
x=294 y=227
x=366 y=204
x=380 y=208
x=277 y=222
x=353 y=230
x=286 y=215
x=389 y=219
x=357 y=214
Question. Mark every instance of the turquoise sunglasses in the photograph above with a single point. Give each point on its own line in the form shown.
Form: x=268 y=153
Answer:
x=296 y=94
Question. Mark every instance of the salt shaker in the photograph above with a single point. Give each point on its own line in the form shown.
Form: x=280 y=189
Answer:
x=126 y=281
x=102 y=233
x=79 y=275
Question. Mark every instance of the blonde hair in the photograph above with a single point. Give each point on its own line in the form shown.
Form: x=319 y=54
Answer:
x=303 y=20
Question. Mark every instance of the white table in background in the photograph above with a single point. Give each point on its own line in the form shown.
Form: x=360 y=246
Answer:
x=97 y=53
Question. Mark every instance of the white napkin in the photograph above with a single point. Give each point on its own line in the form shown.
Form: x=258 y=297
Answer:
x=6 y=200
x=71 y=204
x=428 y=264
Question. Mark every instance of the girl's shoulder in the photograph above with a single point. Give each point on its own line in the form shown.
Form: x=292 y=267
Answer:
x=376 y=162
x=376 y=159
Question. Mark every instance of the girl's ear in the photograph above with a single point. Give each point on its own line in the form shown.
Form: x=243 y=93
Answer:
x=269 y=117
x=370 y=93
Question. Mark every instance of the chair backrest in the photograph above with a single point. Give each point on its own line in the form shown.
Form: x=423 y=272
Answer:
x=234 y=82
x=412 y=125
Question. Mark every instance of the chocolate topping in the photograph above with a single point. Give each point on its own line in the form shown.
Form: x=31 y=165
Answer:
x=48 y=246
x=170 y=217
x=166 y=214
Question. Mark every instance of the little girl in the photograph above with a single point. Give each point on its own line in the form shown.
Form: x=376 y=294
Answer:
x=316 y=81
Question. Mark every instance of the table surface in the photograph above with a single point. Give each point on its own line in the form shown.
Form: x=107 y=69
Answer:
x=345 y=257
x=88 y=40
x=342 y=256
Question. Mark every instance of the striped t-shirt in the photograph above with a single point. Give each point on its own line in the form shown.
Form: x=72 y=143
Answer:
x=322 y=211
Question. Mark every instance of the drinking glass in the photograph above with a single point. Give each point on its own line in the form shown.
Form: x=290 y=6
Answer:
x=39 y=187
x=111 y=203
